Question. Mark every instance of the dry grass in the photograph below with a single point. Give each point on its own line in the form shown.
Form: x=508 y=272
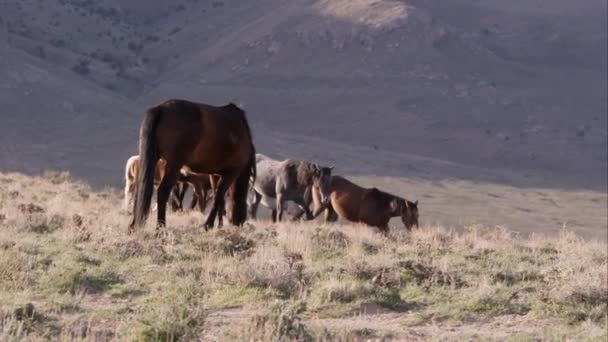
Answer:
x=68 y=271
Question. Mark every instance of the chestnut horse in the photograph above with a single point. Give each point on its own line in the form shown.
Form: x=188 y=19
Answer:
x=203 y=188
x=370 y=206
x=201 y=185
x=206 y=139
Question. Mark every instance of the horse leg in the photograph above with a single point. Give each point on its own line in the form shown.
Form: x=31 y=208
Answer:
x=154 y=204
x=383 y=226
x=175 y=204
x=298 y=214
x=302 y=204
x=213 y=186
x=201 y=197
x=222 y=213
x=280 y=206
x=273 y=214
x=182 y=193
x=257 y=198
x=194 y=201
x=330 y=214
x=129 y=189
x=219 y=201
x=163 y=192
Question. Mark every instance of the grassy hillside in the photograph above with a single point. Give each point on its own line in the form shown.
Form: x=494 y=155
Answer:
x=69 y=271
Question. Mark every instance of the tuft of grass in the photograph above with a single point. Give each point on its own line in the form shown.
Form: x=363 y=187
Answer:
x=278 y=323
x=168 y=323
x=511 y=278
x=328 y=243
x=26 y=320
x=74 y=281
x=230 y=296
x=341 y=297
x=228 y=243
x=15 y=270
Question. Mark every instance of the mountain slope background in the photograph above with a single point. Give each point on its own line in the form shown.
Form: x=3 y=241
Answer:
x=491 y=112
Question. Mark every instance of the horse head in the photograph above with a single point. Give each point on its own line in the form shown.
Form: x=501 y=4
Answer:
x=322 y=180
x=408 y=211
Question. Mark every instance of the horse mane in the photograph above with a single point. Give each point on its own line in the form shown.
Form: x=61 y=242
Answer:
x=380 y=195
x=385 y=197
x=304 y=170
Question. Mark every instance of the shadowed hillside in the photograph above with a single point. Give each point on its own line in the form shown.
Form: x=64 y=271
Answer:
x=433 y=94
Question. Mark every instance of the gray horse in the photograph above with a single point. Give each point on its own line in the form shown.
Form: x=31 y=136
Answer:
x=289 y=180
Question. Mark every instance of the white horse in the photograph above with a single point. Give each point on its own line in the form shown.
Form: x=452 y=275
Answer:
x=132 y=170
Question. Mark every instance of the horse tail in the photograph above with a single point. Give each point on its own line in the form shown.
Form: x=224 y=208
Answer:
x=252 y=165
x=244 y=182
x=148 y=157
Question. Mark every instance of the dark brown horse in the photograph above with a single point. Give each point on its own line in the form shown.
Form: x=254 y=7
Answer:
x=206 y=139
x=366 y=205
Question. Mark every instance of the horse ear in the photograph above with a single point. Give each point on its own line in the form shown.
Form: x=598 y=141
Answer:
x=416 y=203
x=331 y=168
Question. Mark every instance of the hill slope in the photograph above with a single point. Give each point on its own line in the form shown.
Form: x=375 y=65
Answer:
x=53 y=120
x=434 y=95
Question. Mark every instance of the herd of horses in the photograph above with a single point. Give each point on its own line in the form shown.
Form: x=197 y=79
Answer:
x=184 y=143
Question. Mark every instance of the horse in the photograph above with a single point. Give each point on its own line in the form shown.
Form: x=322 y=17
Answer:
x=204 y=186
x=287 y=180
x=201 y=184
x=215 y=140
x=131 y=172
x=370 y=206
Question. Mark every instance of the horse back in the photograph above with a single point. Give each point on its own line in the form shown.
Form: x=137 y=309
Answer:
x=345 y=197
x=375 y=207
x=206 y=138
x=295 y=176
x=268 y=170
x=226 y=137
